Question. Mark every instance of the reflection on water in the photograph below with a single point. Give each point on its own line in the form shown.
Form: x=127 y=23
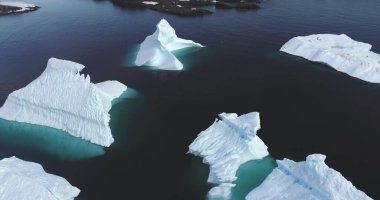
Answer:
x=27 y=137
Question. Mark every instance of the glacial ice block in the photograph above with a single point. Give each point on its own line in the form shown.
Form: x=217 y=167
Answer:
x=227 y=144
x=21 y=5
x=338 y=51
x=156 y=50
x=64 y=99
x=307 y=180
x=28 y=181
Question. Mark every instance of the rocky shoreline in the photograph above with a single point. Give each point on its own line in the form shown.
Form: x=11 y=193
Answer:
x=7 y=8
x=187 y=7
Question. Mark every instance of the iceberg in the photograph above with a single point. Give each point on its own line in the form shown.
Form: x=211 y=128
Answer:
x=15 y=7
x=64 y=99
x=227 y=144
x=156 y=50
x=338 y=51
x=28 y=181
x=308 y=180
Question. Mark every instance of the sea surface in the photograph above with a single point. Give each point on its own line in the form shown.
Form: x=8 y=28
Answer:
x=305 y=107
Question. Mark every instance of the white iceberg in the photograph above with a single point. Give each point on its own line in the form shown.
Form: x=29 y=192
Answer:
x=22 y=7
x=156 y=50
x=64 y=99
x=338 y=51
x=226 y=145
x=307 y=180
x=28 y=181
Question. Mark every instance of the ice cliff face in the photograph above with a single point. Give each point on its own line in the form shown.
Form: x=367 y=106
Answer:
x=225 y=145
x=28 y=181
x=339 y=52
x=307 y=180
x=64 y=99
x=156 y=50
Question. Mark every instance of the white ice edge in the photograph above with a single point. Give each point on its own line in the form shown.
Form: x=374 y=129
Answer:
x=64 y=99
x=226 y=145
x=338 y=51
x=156 y=50
x=28 y=181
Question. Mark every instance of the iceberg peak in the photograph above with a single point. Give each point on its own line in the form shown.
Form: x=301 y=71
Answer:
x=316 y=157
x=156 y=50
x=64 y=99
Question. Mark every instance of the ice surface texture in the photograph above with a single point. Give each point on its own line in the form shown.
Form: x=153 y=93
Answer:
x=28 y=181
x=64 y=99
x=338 y=51
x=307 y=180
x=226 y=145
x=156 y=50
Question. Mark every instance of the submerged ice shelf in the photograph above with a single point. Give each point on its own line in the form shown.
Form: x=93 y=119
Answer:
x=28 y=181
x=227 y=144
x=338 y=51
x=307 y=180
x=64 y=99
x=156 y=50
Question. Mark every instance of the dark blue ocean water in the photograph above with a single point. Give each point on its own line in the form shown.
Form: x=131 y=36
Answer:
x=305 y=107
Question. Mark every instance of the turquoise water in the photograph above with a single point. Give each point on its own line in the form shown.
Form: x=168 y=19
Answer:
x=187 y=56
x=22 y=137
x=304 y=107
x=251 y=175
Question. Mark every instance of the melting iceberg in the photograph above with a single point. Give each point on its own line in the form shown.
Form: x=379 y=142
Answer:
x=64 y=99
x=28 y=181
x=338 y=51
x=227 y=144
x=156 y=50
x=308 y=180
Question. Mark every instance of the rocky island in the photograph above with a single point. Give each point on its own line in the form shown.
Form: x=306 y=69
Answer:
x=16 y=7
x=188 y=7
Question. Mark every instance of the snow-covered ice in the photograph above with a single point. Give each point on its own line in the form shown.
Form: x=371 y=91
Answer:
x=307 y=180
x=227 y=144
x=28 y=181
x=150 y=3
x=156 y=50
x=23 y=6
x=338 y=51
x=64 y=99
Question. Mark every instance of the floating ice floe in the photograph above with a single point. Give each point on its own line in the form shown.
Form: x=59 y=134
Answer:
x=307 y=180
x=156 y=50
x=28 y=181
x=64 y=99
x=22 y=7
x=227 y=144
x=338 y=51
